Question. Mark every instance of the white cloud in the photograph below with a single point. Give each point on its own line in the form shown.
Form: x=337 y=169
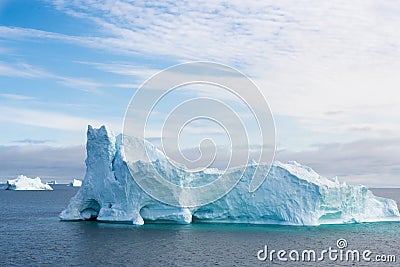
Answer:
x=82 y=84
x=123 y=69
x=372 y=162
x=52 y=120
x=23 y=70
x=17 y=97
x=308 y=58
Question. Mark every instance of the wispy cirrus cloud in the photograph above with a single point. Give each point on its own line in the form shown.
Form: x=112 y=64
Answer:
x=23 y=70
x=244 y=34
x=126 y=69
x=307 y=58
x=17 y=97
x=53 y=120
x=19 y=33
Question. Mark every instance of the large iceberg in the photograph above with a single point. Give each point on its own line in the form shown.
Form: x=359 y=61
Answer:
x=291 y=193
x=25 y=183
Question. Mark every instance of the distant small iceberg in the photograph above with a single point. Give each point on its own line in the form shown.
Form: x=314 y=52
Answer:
x=52 y=182
x=75 y=183
x=25 y=183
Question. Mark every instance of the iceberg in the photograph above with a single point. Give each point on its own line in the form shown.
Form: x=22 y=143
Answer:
x=75 y=183
x=25 y=183
x=291 y=194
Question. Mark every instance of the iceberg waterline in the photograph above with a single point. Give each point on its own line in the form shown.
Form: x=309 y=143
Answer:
x=291 y=193
x=25 y=183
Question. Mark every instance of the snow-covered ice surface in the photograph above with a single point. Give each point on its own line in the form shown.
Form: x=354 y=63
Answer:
x=291 y=194
x=75 y=183
x=25 y=183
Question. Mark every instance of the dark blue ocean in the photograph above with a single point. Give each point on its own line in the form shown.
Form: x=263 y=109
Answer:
x=32 y=235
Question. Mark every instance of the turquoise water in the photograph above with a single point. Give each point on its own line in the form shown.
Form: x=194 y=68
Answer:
x=32 y=235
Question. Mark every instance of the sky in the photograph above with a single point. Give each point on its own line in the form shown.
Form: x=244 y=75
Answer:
x=329 y=70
